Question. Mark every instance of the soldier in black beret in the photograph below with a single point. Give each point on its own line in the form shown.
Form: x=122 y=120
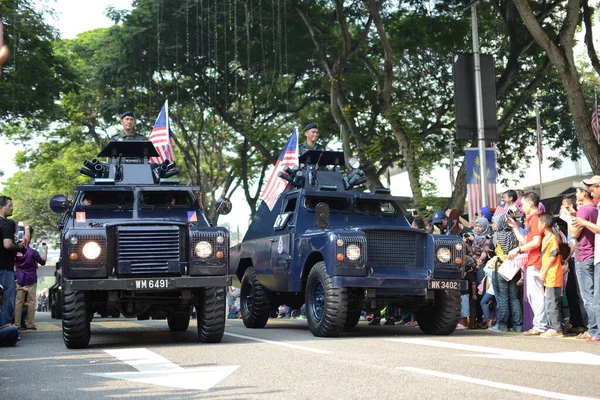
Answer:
x=128 y=124
x=311 y=131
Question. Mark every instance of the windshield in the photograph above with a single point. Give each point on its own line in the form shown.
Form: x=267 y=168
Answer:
x=375 y=207
x=166 y=199
x=335 y=204
x=107 y=199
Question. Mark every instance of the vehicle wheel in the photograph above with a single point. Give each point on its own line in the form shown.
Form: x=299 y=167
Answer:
x=255 y=301
x=354 y=310
x=179 y=321
x=75 y=320
x=211 y=314
x=441 y=317
x=326 y=306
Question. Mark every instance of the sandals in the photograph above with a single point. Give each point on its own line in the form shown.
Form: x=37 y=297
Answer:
x=584 y=335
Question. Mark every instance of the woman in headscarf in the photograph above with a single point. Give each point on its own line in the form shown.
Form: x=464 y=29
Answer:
x=507 y=301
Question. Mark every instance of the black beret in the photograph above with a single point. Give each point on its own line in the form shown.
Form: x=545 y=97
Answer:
x=311 y=126
x=127 y=114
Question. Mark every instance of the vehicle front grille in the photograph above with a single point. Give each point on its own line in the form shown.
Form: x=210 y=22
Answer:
x=396 y=250
x=148 y=249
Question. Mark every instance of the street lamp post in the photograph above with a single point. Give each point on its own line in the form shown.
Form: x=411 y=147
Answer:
x=479 y=104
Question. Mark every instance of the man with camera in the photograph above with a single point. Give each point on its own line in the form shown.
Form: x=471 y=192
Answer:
x=8 y=251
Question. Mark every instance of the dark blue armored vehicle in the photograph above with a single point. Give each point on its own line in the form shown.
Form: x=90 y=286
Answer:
x=340 y=251
x=135 y=242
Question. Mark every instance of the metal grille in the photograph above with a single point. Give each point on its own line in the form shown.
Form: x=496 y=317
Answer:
x=149 y=249
x=396 y=250
x=361 y=242
x=211 y=237
x=81 y=261
x=451 y=245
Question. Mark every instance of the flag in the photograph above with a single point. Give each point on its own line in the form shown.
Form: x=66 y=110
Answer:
x=540 y=154
x=276 y=185
x=596 y=120
x=161 y=136
x=502 y=208
x=474 y=180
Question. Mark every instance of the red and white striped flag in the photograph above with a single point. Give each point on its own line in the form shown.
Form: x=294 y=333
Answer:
x=596 y=121
x=276 y=185
x=161 y=136
x=474 y=180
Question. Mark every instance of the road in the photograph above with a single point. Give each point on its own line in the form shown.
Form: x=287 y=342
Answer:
x=144 y=360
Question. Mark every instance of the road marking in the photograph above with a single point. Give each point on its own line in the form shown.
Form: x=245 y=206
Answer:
x=119 y=324
x=157 y=370
x=290 y=345
x=497 y=385
x=574 y=357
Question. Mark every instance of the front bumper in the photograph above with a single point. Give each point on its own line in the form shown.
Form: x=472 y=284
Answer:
x=132 y=284
x=406 y=286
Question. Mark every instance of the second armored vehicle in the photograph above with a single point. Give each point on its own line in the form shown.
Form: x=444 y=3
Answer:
x=341 y=251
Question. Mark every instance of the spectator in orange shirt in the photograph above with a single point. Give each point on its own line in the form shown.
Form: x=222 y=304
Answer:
x=552 y=276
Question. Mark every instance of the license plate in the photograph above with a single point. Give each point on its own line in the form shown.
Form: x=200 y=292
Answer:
x=442 y=284
x=152 y=284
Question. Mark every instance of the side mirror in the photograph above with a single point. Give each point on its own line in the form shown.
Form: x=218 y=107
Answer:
x=223 y=206
x=59 y=203
x=322 y=215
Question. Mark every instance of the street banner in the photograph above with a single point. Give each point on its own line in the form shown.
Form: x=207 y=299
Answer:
x=474 y=179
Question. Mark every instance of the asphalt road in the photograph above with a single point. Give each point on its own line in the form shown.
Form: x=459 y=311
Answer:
x=144 y=360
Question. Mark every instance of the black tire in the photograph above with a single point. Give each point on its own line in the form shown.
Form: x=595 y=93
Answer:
x=441 y=317
x=179 y=321
x=255 y=301
x=354 y=310
x=211 y=315
x=76 y=320
x=326 y=306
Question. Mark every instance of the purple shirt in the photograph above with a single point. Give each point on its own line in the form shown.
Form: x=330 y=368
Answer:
x=586 y=237
x=27 y=267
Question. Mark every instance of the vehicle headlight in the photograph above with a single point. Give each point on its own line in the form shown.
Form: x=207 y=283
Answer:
x=458 y=246
x=444 y=255
x=91 y=250
x=73 y=240
x=203 y=249
x=353 y=252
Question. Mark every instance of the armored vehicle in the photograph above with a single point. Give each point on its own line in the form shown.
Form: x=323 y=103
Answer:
x=136 y=242
x=340 y=251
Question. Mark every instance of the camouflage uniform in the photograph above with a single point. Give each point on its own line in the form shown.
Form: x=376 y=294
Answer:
x=304 y=147
x=123 y=136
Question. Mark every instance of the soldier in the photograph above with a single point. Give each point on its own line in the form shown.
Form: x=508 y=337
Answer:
x=128 y=124
x=312 y=135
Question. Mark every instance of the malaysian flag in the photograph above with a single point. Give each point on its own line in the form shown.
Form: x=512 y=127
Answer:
x=474 y=179
x=540 y=154
x=276 y=185
x=161 y=136
x=596 y=120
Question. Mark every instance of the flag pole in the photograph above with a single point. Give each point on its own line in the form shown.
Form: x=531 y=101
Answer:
x=167 y=125
x=451 y=167
x=539 y=148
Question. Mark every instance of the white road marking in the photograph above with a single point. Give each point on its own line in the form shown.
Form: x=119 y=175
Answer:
x=156 y=370
x=290 y=345
x=574 y=357
x=497 y=385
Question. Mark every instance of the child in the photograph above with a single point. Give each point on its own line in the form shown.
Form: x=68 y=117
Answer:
x=552 y=276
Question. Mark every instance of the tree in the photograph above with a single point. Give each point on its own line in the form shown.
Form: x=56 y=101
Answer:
x=558 y=43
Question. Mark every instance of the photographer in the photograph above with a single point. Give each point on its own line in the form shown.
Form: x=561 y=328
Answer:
x=8 y=251
x=27 y=282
